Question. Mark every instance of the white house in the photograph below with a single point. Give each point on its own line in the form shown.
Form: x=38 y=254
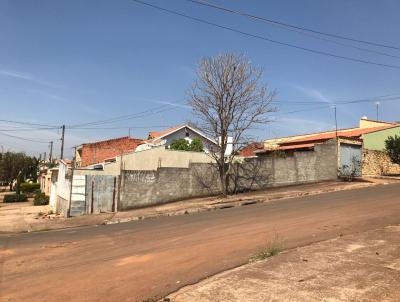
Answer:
x=168 y=136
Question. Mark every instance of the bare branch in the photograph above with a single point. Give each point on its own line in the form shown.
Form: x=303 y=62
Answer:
x=228 y=100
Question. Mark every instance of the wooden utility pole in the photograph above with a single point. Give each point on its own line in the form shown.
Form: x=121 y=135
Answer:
x=62 y=141
x=335 y=114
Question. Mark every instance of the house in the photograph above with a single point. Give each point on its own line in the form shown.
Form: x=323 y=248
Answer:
x=250 y=149
x=349 y=143
x=45 y=179
x=308 y=141
x=168 y=136
x=92 y=153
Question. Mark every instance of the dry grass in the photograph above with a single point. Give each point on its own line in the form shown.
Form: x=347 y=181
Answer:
x=273 y=247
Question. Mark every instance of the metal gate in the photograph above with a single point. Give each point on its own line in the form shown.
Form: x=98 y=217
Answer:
x=100 y=193
x=350 y=160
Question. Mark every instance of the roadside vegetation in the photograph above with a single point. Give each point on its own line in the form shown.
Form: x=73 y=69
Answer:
x=15 y=198
x=392 y=146
x=272 y=248
x=40 y=199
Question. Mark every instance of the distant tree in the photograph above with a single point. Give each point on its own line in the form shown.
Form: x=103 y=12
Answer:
x=228 y=99
x=392 y=147
x=182 y=144
x=14 y=163
x=196 y=145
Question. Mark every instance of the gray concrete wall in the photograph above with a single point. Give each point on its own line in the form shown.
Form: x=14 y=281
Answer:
x=101 y=193
x=144 y=188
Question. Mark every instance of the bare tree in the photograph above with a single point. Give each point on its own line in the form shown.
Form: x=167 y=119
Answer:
x=228 y=100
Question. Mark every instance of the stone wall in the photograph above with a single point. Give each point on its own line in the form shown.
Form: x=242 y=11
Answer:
x=144 y=188
x=378 y=163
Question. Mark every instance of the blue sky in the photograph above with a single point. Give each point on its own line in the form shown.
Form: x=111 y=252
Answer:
x=73 y=62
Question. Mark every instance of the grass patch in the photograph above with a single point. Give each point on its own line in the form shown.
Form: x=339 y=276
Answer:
x=272 y=248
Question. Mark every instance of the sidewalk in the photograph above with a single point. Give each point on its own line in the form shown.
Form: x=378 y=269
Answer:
x=24 y=217
x=360 y=267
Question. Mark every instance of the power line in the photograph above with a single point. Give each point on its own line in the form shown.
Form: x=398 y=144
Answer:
x=28 y=129
x=27 y=123
x=141 y=114
x=118 y=128
x=287 y=25
x=267 y=39
x=386 y=97
x=25 y=139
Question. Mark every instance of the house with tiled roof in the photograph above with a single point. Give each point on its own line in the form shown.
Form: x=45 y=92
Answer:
x=350 y=151
x=308 y=141
x=166 y=137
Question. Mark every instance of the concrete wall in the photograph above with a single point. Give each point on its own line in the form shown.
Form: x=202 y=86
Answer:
x=149 y=187
x=376 y=140
x=151 y=160
x=63 y=189
x=101 y=193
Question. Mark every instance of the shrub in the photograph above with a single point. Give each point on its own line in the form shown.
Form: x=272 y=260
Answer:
x=41 y=199
x=392 y=147
x=182 y=144
x=29 y=187
x=15 y=198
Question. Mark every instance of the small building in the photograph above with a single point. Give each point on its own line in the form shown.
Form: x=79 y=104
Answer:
x=92 y=153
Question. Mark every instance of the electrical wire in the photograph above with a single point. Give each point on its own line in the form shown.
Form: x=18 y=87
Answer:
x=25 y=139
x=267 y=39
x=31 y=124
x=280 y=23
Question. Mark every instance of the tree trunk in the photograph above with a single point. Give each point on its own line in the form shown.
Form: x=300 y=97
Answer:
x=223 y=178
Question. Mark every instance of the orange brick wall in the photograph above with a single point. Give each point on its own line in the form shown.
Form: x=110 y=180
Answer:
x=98 y=152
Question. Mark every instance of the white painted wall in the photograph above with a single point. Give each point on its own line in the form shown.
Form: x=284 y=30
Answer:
x=63 y=184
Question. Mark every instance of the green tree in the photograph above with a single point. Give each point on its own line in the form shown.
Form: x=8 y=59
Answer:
x=392 y=146
x=182 y=144
x=196 y=145
x=13 y=163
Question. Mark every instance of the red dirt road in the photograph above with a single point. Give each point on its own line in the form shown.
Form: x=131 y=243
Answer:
x=151 y=258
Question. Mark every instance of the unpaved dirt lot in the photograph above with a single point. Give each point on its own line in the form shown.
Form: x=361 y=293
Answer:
x=18 y=216
x=359 y=267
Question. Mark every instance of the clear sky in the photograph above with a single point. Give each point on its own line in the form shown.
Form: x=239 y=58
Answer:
x=73 y=62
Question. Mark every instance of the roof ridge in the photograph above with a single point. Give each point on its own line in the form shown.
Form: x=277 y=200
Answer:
x=113 y=139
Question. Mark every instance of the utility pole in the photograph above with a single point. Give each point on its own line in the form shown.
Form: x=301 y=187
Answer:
x=377 y=110
x=336 y=128
x=51 y=152
x=336 y=131
x=62 y=141
x=44 y=156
